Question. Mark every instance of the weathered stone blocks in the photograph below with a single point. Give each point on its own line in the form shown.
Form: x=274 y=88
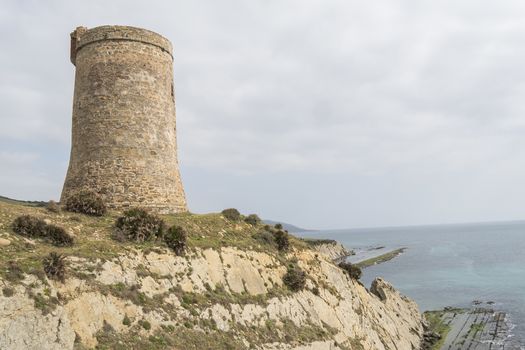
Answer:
x=124 y=132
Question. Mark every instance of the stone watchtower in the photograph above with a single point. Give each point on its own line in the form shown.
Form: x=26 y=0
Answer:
x=124 y=136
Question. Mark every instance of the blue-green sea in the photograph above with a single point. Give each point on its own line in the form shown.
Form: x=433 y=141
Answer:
x=451 y=265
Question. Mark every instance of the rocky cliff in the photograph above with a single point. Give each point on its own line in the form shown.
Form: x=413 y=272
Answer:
x=227 y=292
x=333 y=250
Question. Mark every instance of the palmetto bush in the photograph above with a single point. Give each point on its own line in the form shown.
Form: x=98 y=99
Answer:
x=176 y=239
x=55 y=266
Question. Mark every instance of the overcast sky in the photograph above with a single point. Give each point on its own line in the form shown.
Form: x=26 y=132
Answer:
x=325 y=114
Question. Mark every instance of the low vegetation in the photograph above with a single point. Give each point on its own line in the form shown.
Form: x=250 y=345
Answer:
x=231 y=214
x=252 y=219
x=353 y=271
x=438 y=326
x=14 y=272
x=8 y=292
x=295 y=278
x=58 y=236
x=53 y=207
x=139 y=225
x=282 y=240
x=29 y=226
x=33 y=227
x=176 y=239
x=86 y=202
x=313 y=242
x=55 y=266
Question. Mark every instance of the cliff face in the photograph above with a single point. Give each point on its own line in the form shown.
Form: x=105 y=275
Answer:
x=333 y=250
x=223 y=297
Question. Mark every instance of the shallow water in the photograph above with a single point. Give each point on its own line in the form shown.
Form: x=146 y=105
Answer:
x=451 y=265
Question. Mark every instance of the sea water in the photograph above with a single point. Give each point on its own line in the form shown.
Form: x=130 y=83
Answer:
x=451 y=265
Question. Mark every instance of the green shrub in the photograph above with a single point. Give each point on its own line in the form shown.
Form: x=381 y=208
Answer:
x=282 y=240
x=295 y=278
x=30 y=226
x=139 y=225
x=126 y=321
x=352 y=270
x=145 y=324
x=58 y=236
x=278 y=226
x=55 y=266
x=252 y=219
x=176 y=239
x=265 y=237
x=14 y=272
x=53 y=206
x=8 y=292
x=231 y=214
x=86 y=202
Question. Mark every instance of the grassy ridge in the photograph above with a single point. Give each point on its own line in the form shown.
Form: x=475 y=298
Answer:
x=27 y=203
x=93 y=235
x=93 y=242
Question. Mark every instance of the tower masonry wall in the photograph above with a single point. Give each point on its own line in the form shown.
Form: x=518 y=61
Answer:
x=124 y=130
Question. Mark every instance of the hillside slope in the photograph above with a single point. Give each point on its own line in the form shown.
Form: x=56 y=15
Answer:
x=227 y=292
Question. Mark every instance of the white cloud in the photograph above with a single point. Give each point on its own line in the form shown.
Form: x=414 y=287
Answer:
x=410 y=93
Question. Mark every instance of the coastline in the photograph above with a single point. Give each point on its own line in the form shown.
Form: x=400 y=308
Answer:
x=480 y=328
x=483 y=325
x=380 y=258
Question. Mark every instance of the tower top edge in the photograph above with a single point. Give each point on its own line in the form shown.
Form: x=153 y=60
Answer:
x=84 y=36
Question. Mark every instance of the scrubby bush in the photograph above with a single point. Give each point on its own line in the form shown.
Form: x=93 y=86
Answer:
x=33 y=227
x=58 y=236
x=352 y=270
x=145 y=324
x=85 y=202
x=231 y=214
x=53 y=206
x=126 y=321
x=139 y=225
x=252 y=219
x=55 y=266
x=176 y=239
x=278 y=226
x=30 y=226
x=8 y=292
x=265 y=237
x=14 y=272
x=295 y=278
x=282 y=240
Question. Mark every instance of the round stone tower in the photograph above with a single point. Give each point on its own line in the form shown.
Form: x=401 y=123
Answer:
x=124 y=143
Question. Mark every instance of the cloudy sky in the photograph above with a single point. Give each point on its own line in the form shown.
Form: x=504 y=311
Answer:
x=325 y=114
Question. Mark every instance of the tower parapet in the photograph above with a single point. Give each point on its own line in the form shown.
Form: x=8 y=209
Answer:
x=124 y=131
